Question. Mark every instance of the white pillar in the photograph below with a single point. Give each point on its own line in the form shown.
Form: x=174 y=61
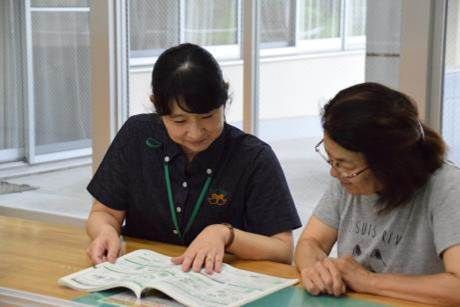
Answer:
x=383 y=42
x=251 y=62
x=415 y=65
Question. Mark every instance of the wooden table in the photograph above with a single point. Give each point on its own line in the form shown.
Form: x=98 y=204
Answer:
x=34 y=255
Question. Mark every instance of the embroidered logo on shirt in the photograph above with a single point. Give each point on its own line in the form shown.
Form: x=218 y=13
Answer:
x=152 y=143
x=217 y=198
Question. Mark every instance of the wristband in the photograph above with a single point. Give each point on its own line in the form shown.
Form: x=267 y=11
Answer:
x=232 y=234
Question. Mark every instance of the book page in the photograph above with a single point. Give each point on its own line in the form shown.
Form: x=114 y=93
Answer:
x=124 y=273
x=231 y=287
x=146 y=269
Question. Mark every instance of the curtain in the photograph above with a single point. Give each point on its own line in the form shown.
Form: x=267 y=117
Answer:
x=211 y=22
x=153 y=26
x=320 y=19
x=61 y=80
x=275 y=23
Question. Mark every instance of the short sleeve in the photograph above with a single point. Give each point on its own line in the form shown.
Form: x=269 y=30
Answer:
x=328 y=206
x=109 y=184
x=446 y=212
x=270 y=208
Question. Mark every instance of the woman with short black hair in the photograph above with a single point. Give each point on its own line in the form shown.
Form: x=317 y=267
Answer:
x=185 y=176
x=392 y=207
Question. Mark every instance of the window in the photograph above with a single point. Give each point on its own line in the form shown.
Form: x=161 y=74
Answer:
x=211 y=22
x=319 y=19
x=276 y=26
x=356 y=18
x=11 y=83
x=312 y=25
x=60 y=57
x=47 y=105
x=154 y=25
x=288 y=108
x=355 y=24
x=157 y=25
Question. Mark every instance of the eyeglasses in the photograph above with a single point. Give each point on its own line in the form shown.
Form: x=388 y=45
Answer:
x=336 y=165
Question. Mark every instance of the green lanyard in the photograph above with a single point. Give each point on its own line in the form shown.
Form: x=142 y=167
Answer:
x=199 y=201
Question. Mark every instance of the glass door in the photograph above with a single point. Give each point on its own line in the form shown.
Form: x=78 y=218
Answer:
x=309 y=50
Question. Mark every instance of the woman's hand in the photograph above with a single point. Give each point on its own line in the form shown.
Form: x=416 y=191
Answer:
x=103 y=227
x=323 y=277
x=207 y=250
x=356 y=277
x=105 y=247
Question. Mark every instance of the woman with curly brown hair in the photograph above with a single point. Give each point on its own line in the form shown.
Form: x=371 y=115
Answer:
x=392 y=207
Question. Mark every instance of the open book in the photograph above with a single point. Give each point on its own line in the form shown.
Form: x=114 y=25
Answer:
x=145 y=269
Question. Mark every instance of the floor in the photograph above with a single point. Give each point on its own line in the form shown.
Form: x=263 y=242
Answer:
x=61 y=195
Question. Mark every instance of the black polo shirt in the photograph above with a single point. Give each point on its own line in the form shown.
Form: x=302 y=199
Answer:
x=248 y=188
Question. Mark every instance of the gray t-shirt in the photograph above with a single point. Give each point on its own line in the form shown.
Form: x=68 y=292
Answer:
x=408 y=239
